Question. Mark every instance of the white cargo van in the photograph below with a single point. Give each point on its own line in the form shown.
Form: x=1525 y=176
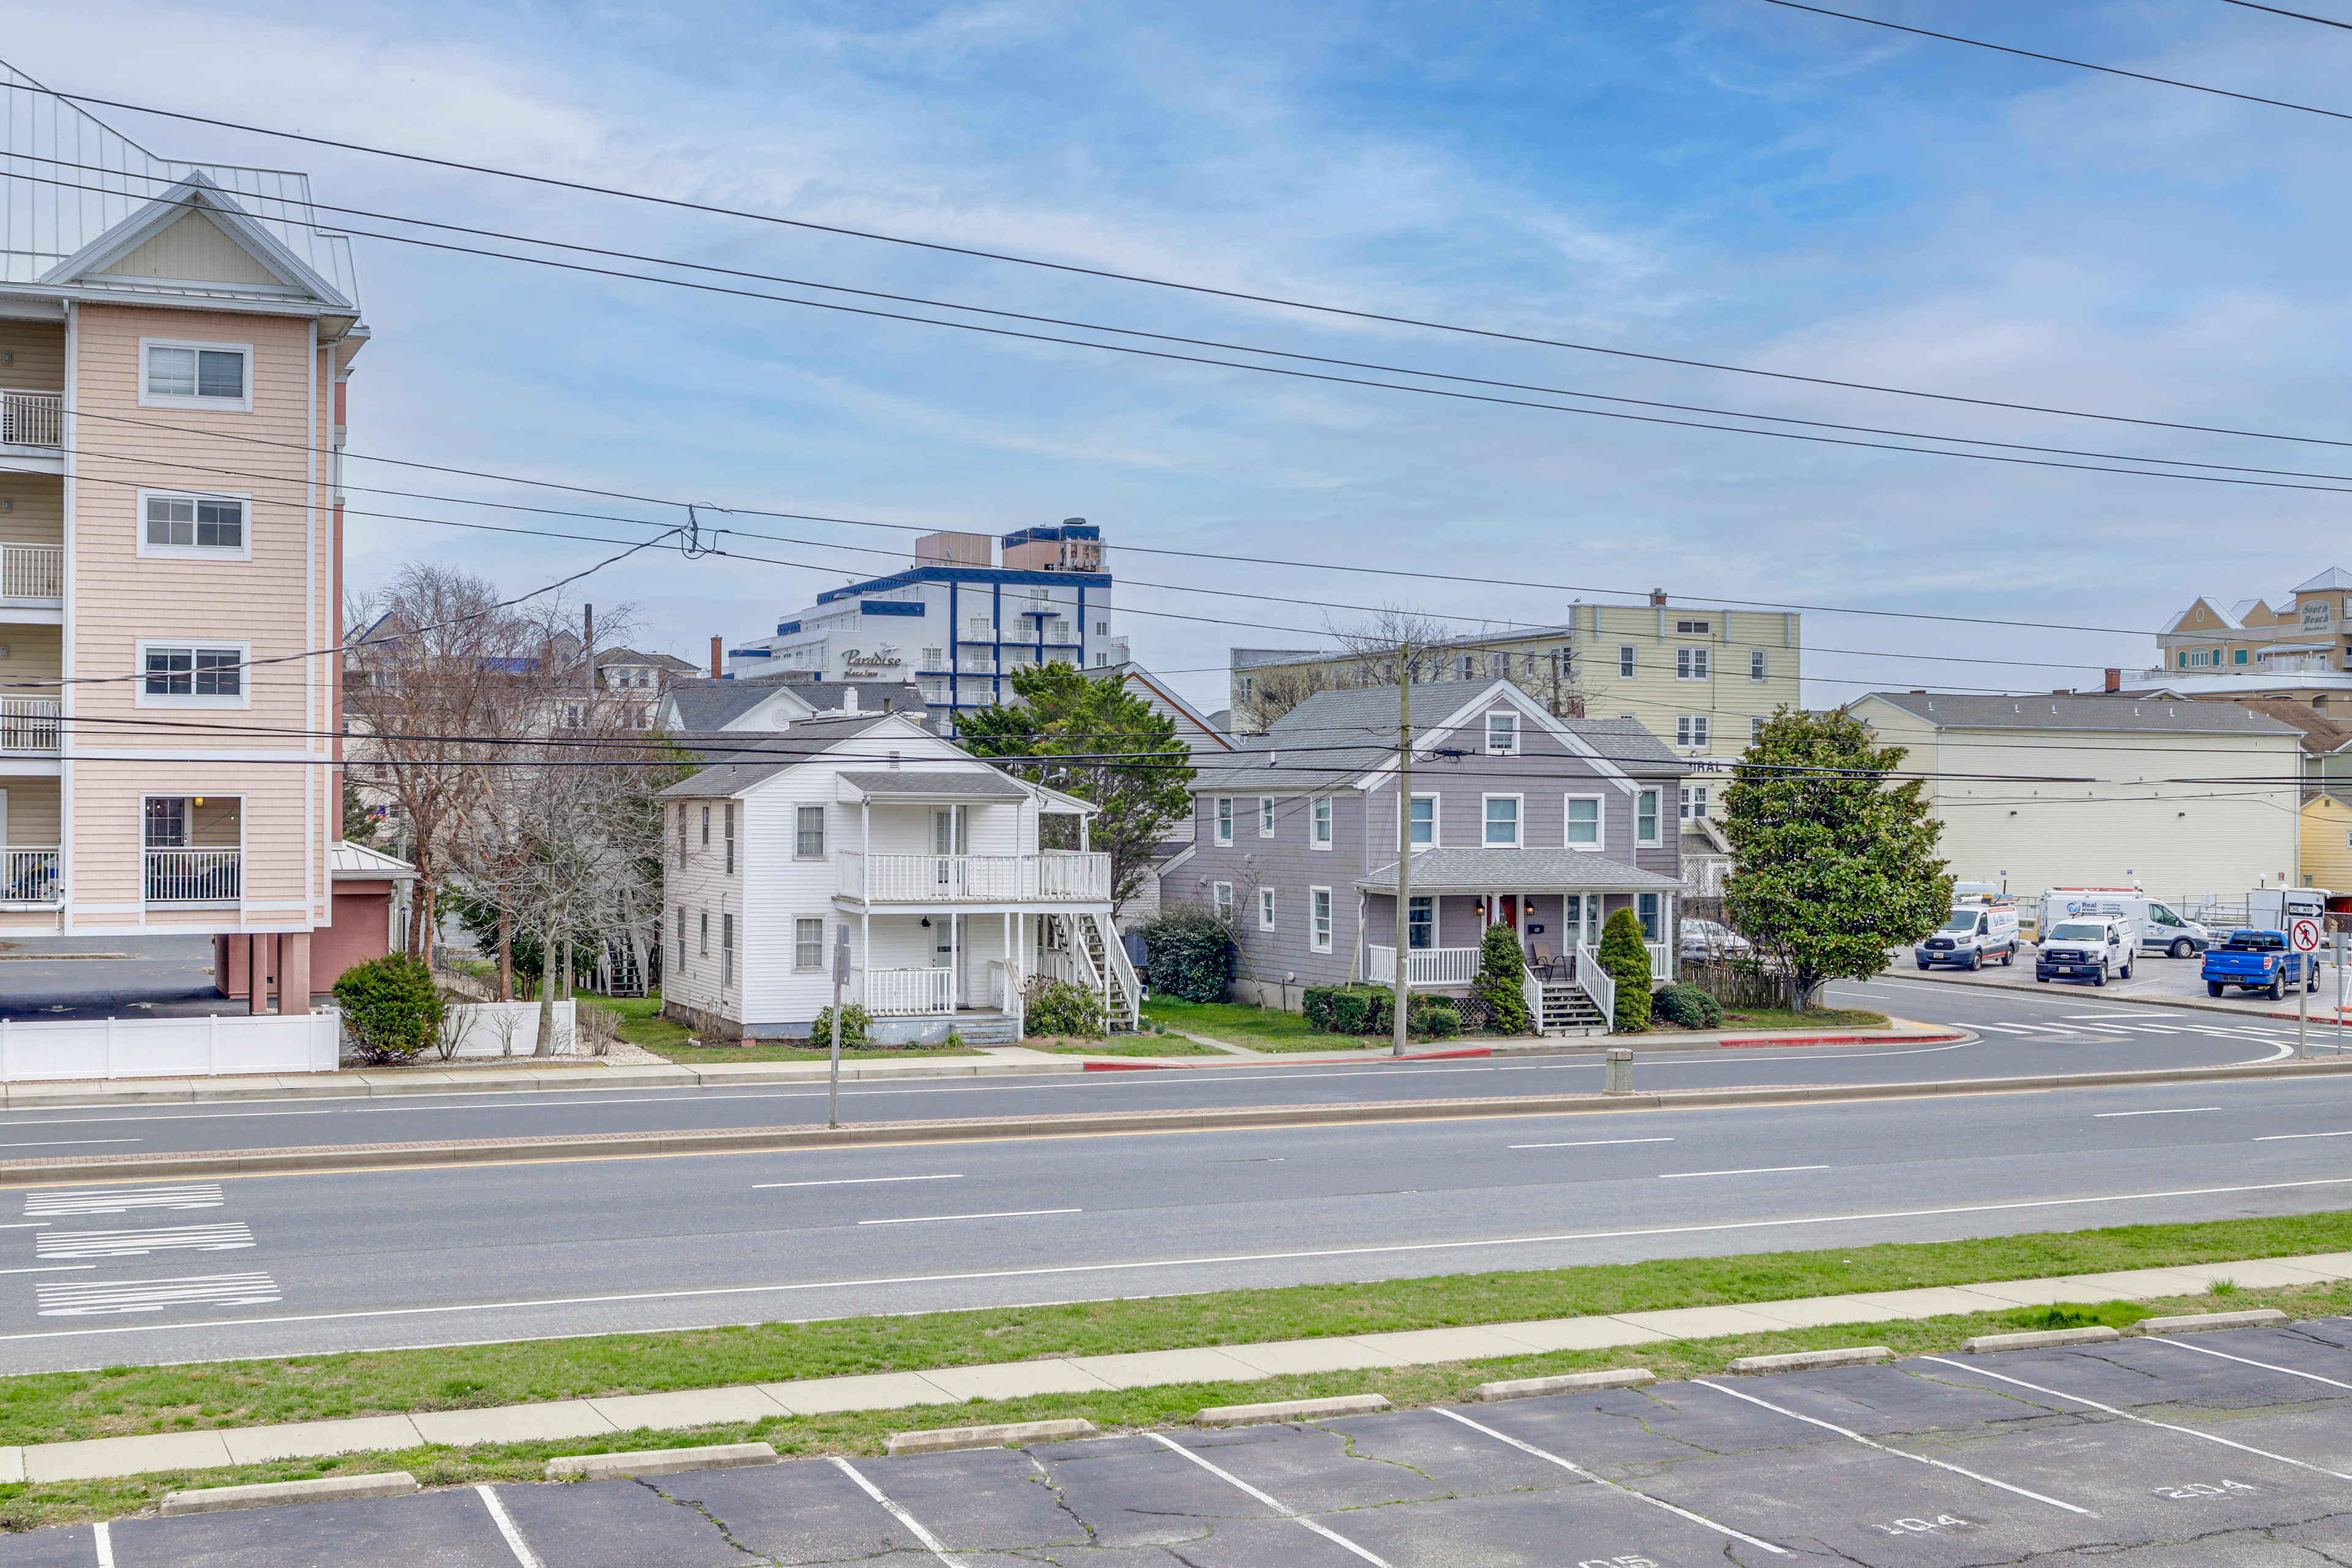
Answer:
x=1972 y=936
x=2155 y=927
x=2269 y=909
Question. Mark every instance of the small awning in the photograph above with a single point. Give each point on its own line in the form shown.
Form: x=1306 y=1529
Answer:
x=963 y=786
x=350 y=862
x=1450 y=870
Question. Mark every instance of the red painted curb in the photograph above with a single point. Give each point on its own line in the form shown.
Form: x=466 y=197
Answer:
x=1840 y=1040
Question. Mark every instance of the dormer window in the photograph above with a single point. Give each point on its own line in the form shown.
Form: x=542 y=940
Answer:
x=1502 y=734
x=195 y=375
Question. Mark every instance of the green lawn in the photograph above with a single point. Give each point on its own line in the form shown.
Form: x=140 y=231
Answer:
x=47 y=1407
x=1823 y=1018
x=643 y=1025
x=1259 y=1028
x=1127 y=1046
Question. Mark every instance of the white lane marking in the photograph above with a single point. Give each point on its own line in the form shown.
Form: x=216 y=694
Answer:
x=139 y=1243
x=1591 y=1143
x=2167 y=1110
x=1284 y=1510
x=103 y=1539
x=2241 y=1361
x=49 y=1268
x=914 y=1526
x=2283 y=1137
x=123 y=1200
x=1576 y=1469
x=71 y=1142
x=2285 y=1049
x=1001 y=1214
x=2131 y=1014
x=856 y=1181
x=2161 y=1425
x=99 y=1297
x=2105 y=1029
x=1751 y=1171
x=523 y=1556
x=1899 y=1453
x=1060 y=1268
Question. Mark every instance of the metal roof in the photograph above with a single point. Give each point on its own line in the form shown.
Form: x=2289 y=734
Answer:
x=2143 y=715
x=983 y=783
x=1446 y=870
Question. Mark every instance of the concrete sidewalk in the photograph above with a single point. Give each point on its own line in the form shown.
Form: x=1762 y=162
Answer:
x=105 y=1457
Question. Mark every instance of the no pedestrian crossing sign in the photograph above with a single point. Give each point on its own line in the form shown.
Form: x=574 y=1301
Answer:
x=2304 y=934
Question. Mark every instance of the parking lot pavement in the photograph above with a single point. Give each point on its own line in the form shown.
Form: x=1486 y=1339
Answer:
x=2154 y=978
x=2230 y=1449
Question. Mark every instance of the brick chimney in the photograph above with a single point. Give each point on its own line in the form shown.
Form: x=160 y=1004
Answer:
x=2115 y=680
x=1658 y=598
x=716 y=668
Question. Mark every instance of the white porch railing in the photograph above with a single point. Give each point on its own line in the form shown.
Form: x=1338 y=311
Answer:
x=28 y=724
x=909 y=993
x=194 y=876
x=1598 y=984
x=1662 y=960
x=931 y=880
x=30 y=876
x=1424 y=967
x=32 y=571
x=32 y=418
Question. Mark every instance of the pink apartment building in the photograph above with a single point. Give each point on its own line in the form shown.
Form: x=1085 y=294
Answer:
x=174 y=341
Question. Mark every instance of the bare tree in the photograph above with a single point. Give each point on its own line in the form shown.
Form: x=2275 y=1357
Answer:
x=1277 y=691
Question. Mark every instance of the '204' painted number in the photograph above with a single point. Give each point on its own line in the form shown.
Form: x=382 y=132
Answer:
x=2204 y=1488
x=1922 y=1526
x=1618 y=1563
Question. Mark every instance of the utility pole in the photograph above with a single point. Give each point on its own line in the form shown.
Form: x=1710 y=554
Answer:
x=588 y=652
x=1404 y=846
x=840 y=979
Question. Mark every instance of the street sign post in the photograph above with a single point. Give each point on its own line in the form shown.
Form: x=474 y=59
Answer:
x=840 y=979
x=2303 y=936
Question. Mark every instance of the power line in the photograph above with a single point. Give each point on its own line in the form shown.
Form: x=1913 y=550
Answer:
x=2298 y=15
x=1204 y=290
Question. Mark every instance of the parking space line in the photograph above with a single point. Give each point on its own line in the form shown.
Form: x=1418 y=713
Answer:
x=1287 y=1512
x=914 y=1526
x=2163 y=1425
x=1591 y=1143
x=2167 y=1110
x=999 y=1213
x=2241 y=1361
x=2285 y=1137
x=1572 y=1468
x=1899 y=1453
x=103 y=1539
x=857 y=1180
x=524 y=1556
x=1751 y=1171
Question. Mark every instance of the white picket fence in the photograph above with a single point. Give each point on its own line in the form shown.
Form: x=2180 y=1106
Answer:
x=508 y=1030
x=49 y=1049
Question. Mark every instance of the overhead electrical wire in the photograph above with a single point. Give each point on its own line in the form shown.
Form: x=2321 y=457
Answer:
x=1199 y=289
x=2298 y=15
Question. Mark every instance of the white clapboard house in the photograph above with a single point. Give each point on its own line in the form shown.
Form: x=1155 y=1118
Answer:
x=929 y=858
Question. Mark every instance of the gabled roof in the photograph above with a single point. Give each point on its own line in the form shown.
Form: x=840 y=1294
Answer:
x=664 y=661
x=347 y=861
x=2321 y=733
x=707 y=707
x=2216 y=618
x=2111 y=714
x=2333 y=578
x=194 y=199
x=735 y=768
x=1160 y=695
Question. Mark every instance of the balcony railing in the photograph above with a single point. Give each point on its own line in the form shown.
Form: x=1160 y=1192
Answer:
x=30 y=876
x=973 y=879
x=909 y=993
x=32 y=571
x=1434 y=966
x=194 y=876
x=32 y=418
x=28 y=724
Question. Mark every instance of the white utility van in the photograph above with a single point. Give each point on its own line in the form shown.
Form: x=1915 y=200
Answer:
x=1972 y=936
x=2155 y=927
x=2269 y=909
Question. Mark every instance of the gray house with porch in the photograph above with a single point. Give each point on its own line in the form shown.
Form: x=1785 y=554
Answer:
x=1548 y=826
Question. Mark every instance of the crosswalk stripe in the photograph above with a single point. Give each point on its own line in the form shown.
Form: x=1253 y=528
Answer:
x=121 y=1200
x=89 y=1298
x=137 y=1243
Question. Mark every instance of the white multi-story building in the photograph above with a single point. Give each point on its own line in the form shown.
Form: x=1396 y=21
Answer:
x=956 y=622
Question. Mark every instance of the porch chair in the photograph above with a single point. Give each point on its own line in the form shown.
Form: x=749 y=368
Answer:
x=1541 y=960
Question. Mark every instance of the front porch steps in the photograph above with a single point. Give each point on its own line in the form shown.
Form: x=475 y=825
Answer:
x=986 y=1026
x=1566 y=1010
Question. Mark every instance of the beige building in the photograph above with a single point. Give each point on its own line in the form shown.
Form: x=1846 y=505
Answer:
x=2187 y=800
x=174 y=346
x=2299 y=648
x=1701 y=678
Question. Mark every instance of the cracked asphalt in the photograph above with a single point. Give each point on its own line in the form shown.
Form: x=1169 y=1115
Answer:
x=2230 y=1449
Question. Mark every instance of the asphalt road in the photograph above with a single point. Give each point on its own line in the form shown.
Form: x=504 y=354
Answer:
x=2225 y=1450
x=318 y=1262
x=2016 y=1035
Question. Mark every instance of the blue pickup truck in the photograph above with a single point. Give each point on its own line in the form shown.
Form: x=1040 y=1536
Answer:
x=2258 y=960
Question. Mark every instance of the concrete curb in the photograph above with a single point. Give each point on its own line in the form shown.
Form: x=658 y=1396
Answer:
x=1806 y=1361
x=658 y=1462
x=757 y=1140
x=1004 y=1434
x=2194 y=1322
x=1291 y=1410
x=2038 y=1338
x=1567 y=1383
x=332 y=1489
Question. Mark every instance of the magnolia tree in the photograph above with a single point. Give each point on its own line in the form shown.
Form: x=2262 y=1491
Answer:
x=1834 y=863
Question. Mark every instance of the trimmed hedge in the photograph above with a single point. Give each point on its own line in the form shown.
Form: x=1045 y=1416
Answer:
x=1627 y=960
x=390 y=1006
x=1188 y=955
x=1688 y=1006
x=1062 y=1007
x=857 y=1028
x=1361 y=1009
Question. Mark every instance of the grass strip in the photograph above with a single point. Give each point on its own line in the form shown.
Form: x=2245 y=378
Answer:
x=643 y=1025
x=27 y=1506
x=1128 y=1045
x=64 y=1406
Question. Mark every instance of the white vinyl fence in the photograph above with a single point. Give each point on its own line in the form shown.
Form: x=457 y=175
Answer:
x=508 y=1030
x=168 y=1047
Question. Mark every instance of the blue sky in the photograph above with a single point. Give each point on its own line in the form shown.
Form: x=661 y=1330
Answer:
x=1716 y=179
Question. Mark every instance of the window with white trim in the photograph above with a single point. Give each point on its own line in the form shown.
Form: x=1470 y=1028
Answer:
x=1690 y=664
x=1694 y=801
x=1320 y=833
x=1695 y=628
x=178 y=374
x=1265 y=816
x=978 y=628
x=1102 y=628
x=1420 y=922
x=1625 y=662
x=1220 y=894
x=1690 y=729
x=1756 y=728
x=706 y=828
x=1502 y=822
x=1756 y=669
x=192 y=675
x=1502 y=734
x=1646 y=818
x=1225 y=819
x=1424 y=821
x=808 y=942
x=1646 y=904
x=1582 y=814
x=726 y=950
x=193 y=527
x=1266 y=909
x=1466 y=667
x=808 y=833
x=681 y=928
x=704 y=937
x=730 y=838
x=1318 y=919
